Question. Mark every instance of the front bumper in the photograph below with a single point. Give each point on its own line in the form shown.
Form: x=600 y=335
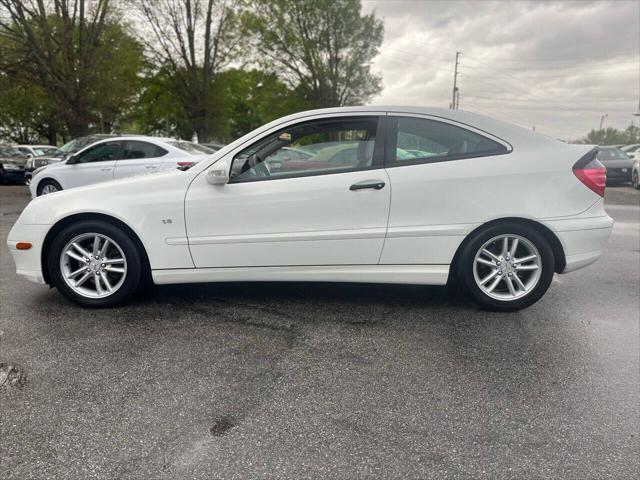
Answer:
x=619 y=174
x=12 y=176
x=28 y=262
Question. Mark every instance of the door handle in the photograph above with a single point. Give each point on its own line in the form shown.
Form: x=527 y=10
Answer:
x=374 y=184
x=108 y=169
x=151 y=166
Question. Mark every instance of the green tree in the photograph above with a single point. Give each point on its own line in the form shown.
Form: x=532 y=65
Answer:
x=191 y=42
x=324 y=47
x=76 y=53
x=612 y=136
x=26 y=115
x=255 y=97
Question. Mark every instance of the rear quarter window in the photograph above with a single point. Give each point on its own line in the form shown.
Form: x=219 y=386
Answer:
x=419 y=140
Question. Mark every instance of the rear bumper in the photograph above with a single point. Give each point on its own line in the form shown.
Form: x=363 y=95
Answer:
x=583 y=238
x=584 y=247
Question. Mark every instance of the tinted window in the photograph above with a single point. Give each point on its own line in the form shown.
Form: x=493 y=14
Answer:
x=328 y=146
x=420 y=139
x=134 y=150
x=100 y=153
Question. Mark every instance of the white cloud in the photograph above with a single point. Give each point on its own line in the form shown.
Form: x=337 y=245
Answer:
x=556 y=65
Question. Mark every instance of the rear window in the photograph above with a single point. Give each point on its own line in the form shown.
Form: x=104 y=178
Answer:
x=192 y=148
x=605 y=154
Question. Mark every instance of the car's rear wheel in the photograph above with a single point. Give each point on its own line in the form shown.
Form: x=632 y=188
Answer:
x=634 y=180
x=48 y=186
x=94 y=264
x=506 y=267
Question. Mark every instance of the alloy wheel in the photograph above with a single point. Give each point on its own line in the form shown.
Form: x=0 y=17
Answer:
x=93 y=265
x=507 y=267
x=48 y=188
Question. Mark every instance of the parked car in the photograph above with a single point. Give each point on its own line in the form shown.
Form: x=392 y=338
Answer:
x=632 y=150
x=12 y=162
x=617 y=163
x=635 y=174
x=37 y=150
x=113 y=158
x=497 y=207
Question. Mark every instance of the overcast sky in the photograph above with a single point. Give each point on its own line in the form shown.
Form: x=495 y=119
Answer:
x=557 y=65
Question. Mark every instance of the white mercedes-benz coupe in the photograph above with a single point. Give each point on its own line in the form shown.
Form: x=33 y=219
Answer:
x=373 y=194
x=115 y=157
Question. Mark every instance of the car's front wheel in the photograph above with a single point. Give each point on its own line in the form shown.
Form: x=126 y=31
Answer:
x=506 y=267
x=634 y=180
x=48 y=186
x=94 y=264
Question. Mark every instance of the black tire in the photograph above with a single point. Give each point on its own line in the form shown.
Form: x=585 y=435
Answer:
x=634 y=180
x=465 y=263
x=134 y=263
x=47 y=181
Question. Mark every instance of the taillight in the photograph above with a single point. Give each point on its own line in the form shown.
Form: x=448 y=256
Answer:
x=591 y=172
x=185 y=165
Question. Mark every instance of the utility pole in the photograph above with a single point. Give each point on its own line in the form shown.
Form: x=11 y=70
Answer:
x=455 y=96
x=602 y=120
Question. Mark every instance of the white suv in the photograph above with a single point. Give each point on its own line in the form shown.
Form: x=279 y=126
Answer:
x=113 y=158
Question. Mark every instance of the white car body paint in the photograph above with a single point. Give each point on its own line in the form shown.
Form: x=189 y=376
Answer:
x=313 y=228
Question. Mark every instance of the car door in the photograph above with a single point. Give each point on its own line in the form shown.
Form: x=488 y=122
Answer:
x=303 y=212
x=139 y=157
x=94 y=164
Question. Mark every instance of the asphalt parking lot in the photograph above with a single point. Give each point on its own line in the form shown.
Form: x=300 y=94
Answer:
x=326 y=380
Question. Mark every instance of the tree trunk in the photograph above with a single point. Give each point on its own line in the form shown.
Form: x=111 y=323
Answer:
x=52 y=135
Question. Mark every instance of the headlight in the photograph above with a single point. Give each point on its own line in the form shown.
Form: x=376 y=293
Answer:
x=38 y=170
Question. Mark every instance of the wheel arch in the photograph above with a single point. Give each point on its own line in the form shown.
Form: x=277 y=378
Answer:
x=552 y=238
x=64 y=222
x=36 y=186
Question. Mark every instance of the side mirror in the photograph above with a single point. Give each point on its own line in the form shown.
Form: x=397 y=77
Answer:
x=218 y=174
x=71 y=159
x=29 y=155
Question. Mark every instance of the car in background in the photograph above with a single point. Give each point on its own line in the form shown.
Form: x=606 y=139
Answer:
x=60 y=154
x=632 y=150
x=12 y=162
x=635 y=174
x=617 y=163
x=213 y=146
x=116 y=157
x=37 y=150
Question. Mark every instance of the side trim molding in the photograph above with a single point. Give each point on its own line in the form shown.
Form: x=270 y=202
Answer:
x=403 y=274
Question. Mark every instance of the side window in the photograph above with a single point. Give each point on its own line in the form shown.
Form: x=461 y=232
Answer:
x=421 y=140
x=136 y=149
x=100 y=153
x=311 y=148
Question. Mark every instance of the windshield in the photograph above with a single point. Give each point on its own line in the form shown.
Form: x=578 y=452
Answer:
x=11 y=152
x=43 y=150
x=192 y=148
x=611 y=154
x=75 y=145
